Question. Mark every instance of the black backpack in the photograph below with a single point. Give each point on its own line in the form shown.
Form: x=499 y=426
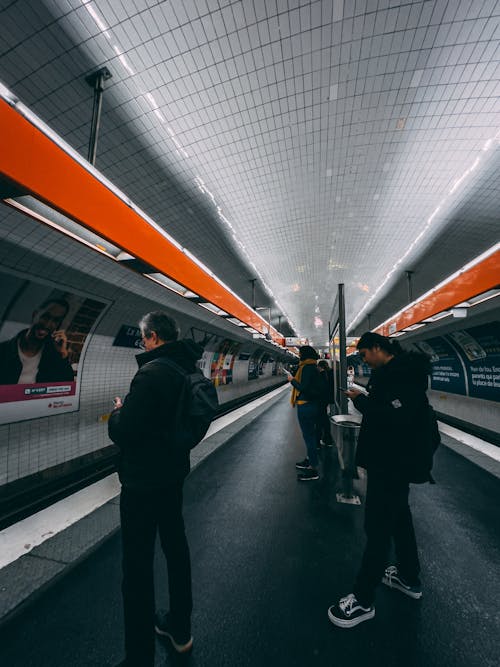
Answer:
x=428 y=445
x=196 y=408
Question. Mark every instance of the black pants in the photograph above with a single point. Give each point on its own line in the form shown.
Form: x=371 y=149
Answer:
x=387 y=516
x=143 y=512
x=323 y=425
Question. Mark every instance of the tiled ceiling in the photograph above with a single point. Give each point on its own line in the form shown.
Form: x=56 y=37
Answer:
x=301 y=143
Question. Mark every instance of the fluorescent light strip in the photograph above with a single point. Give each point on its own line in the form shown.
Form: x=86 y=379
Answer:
x=438 y=316
x=172 y=285
x=93 y=241
x=213 y=309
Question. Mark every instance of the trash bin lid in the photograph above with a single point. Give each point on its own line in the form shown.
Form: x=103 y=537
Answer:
x=348 y=421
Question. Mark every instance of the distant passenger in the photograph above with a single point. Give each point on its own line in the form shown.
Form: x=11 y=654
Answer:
x=152 y=474
x=324 y=434
x=393 y=444
x=305 y=397
x=40 y=353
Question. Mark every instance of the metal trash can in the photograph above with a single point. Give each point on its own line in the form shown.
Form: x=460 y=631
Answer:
x=345 y=430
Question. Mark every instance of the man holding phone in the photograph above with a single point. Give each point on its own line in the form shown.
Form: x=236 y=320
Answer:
x=38 y=354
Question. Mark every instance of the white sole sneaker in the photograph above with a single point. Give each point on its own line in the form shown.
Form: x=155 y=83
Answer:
x=351 y=622
x=391 y=583
x=180 y=648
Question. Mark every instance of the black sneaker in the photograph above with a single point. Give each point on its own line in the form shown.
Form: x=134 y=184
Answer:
x=309 y=475
x=182 y=642
x=348 y=612
x=303 y=465
x=393 y=579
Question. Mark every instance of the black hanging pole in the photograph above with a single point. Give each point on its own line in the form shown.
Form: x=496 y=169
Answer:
x=253 y=281
x=409 y=275
x=342 y=349
x=96 y=81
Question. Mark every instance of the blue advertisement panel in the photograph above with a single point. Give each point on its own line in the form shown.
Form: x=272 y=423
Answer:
x=447 y=369
x=479 y=348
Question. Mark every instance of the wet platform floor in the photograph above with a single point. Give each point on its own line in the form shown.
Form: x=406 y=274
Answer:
x=270 y=555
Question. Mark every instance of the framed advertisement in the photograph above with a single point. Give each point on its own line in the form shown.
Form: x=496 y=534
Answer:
x=44 y=333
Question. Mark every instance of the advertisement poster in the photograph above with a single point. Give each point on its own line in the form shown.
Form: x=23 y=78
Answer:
x=479 y=348
x=43 y=335
x=448 y=373
x=221 y=368
x=255 y=365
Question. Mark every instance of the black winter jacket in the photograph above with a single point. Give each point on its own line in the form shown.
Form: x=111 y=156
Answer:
x=143 y=427
x=310 y=385
x=52 y=368
x=396 y=430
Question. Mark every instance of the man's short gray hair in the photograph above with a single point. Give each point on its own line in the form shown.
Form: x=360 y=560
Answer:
x=165 y=326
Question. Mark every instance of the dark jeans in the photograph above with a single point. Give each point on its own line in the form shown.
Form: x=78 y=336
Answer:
x=143 y=512
x=308 y=416
x=387 y=516
x=323 y=425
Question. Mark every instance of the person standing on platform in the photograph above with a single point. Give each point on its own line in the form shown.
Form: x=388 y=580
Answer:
x=394 y=442
x=324 y=434
x=152 y=473
x=305 y=397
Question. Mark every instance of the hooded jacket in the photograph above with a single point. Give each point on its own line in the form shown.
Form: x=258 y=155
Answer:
x=396 y=435
x=143 y=426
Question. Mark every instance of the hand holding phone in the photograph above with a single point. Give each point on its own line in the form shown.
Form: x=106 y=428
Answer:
x=61 y=342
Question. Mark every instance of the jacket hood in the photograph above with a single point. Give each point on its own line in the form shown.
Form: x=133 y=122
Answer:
x=179 y=350
x=412 y=363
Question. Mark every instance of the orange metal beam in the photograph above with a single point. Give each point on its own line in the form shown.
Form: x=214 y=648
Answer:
x=480 y=278
x=40 y=167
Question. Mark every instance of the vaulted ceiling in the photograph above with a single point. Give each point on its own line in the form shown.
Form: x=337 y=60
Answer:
x=301 y=143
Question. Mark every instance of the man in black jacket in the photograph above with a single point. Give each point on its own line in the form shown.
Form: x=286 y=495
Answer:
x=40 y=353
x=394 y=447
x=152 y=472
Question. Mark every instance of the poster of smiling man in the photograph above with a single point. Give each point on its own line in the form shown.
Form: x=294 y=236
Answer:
x=43 y=335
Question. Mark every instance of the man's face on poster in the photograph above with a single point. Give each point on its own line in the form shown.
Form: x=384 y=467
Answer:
x=46 y=320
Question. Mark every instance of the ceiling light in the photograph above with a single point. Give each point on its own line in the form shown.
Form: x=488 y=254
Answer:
x=485 y=296
x=414 y=326
x=49 y=216
x=171 y=285
x=214 y=309
x=438 y=316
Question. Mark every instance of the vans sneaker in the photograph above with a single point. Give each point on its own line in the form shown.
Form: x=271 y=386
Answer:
x=303 y=465
x=181 y=641
x=348 y=612
x=393 y=579
x=309 y=475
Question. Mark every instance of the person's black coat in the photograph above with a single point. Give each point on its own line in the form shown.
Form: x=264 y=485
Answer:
x=327 y=387
x=143 y=427
x=396 y=431
x=52 y=368
x=310 y=386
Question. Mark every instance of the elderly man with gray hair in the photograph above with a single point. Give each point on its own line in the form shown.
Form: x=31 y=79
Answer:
x=152 y=473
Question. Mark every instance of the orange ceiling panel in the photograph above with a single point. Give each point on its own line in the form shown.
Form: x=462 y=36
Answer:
x=483 y=276
x=41 y=168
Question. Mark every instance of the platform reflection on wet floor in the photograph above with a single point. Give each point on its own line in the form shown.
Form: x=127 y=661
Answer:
x=270 y=555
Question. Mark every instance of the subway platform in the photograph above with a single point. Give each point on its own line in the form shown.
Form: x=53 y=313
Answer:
x=269 y=556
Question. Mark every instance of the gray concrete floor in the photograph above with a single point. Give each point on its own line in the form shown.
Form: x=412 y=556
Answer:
x=270 y=555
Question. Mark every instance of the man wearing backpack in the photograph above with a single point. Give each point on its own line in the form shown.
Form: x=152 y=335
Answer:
x=152 y=468
x=396 y=442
